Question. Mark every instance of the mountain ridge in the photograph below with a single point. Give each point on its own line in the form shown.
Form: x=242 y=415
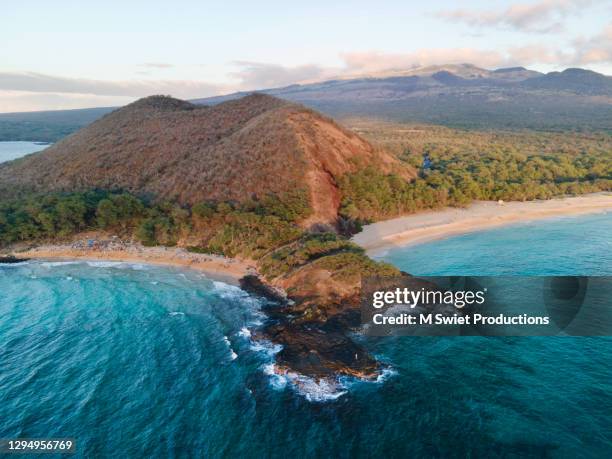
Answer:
x=463 y=96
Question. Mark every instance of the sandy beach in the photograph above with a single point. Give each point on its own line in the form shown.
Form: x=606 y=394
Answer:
x=427 y=226
x=229 y=270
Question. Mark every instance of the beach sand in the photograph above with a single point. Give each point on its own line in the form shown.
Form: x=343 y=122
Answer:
x=428 y=226
x=228 y=270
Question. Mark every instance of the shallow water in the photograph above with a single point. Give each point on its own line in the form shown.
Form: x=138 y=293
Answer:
x=558 y=246
x=159 y=362
x=10 y=150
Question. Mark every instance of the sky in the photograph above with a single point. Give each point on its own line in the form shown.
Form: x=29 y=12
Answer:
x=73 y=54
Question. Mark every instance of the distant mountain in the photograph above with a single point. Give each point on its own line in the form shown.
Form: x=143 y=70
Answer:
x=47 y=126
x=173 y=150
x=453 y=95
x=515 y=73
x=578 y=81
x=463 y=96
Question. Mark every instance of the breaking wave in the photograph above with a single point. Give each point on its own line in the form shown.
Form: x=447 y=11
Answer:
x=233 y=355
x=313 y=390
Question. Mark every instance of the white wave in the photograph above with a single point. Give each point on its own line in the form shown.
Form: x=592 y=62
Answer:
x=154 y=282
x=277 y=381
x=266 y=347
x=104 y=264
x=313 y=390
x=320 y=391
x=13 y=265
x=176 y=313
x=68 y=278
x=233 y=355
x=117 y=265
x=53 y=264
x=244 y=332
x=139 y=266
x=258 y=316
x=228 y=291
x=386 y=373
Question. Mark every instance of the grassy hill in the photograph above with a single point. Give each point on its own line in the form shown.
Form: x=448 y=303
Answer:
x=237 y=151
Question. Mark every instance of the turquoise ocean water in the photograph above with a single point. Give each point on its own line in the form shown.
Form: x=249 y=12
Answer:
x=141 y=361
x=10 y=150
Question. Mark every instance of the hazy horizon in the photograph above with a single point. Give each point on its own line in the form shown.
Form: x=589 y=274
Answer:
x=63 y=57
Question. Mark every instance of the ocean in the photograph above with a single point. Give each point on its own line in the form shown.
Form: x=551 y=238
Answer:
x=134 y=360
x=10 y=150
x=570 y=246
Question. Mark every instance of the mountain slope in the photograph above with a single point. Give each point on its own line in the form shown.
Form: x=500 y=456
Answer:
x=579 y=81
x=463 y=96
x=173 y=150
x=453 y=95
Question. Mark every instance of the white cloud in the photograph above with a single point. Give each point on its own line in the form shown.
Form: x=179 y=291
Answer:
x=156 y=65
x=594 y=50
x=23 y=101
x=257 y=75
x=544 y=16
x=374 y=61
x=38 y=82
x=35 y=91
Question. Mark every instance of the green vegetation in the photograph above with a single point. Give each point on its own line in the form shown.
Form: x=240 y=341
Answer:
x=264 y=229
x=303 y=251
x=346 y=265
x=466 y=166
x=249 y=229
x=326 y=251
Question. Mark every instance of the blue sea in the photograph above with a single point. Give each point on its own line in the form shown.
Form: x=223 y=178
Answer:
x=10 y=150
x=141 y=361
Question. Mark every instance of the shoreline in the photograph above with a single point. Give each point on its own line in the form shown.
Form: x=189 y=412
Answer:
x=432 y=225
x=229 y=270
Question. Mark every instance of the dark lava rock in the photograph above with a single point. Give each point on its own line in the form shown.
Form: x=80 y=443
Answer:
x=255 y=286
x=312 y=350
x=10 y=259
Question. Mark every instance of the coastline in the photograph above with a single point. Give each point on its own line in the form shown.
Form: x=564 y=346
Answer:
x=481 y=215
x=229 y=270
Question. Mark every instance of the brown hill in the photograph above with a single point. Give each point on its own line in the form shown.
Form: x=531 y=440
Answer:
x=170 y=149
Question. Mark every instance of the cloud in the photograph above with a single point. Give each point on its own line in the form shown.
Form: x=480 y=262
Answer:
x=534 y=54
x=156 y=65
x=257 y=75
x=38 y=82
x=254 y=75
x=23 y=101
x=373 y=61
x=35 y=91
x=543 y=16
x=594 y=50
